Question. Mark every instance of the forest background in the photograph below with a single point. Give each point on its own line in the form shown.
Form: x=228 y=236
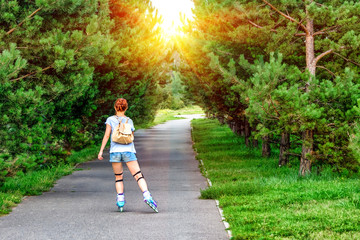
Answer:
x=63 y=64
x=283 y=74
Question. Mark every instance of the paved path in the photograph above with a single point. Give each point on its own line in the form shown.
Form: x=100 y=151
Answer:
x=82 y=205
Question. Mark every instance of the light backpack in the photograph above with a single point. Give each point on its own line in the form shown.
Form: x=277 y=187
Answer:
x=122 y=133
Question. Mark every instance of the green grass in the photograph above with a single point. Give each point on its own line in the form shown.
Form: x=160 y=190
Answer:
x=164 y=115
x=36 y=182
x=262 y=201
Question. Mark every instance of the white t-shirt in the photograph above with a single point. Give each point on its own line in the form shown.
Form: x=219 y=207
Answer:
x=117 y=147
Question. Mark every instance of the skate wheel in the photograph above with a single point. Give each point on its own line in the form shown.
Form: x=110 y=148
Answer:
x=152 y=206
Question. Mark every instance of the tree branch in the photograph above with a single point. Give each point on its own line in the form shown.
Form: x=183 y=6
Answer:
x=272 y=103
x=333 y=74
x=287 y=16
x=293 y=154
x=323 y=31
x=13 y=29
x=321 y=5
x=32 y=73
x=258 y=26
x=322 y=55
x=254 y=24
x=223 y=52
x=269 y=113
x=349 y=60
x=327 y=53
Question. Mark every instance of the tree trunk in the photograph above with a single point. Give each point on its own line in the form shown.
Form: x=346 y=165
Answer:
x=310 y=52
x=255 y=143
x=242 y=127
x=210 y=115
x=231 y=125
x=284 y=147
x=237 y=127
x=266 y=147
x=221 y=120
x=247 y=133
x=305 y=162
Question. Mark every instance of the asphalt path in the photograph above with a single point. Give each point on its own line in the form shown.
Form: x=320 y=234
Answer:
x=82 y=205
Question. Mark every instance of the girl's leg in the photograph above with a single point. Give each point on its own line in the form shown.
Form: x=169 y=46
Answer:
x=139 y=177
x=118 y=171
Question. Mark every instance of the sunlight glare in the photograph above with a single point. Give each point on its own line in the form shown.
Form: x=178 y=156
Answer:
x=170 y=11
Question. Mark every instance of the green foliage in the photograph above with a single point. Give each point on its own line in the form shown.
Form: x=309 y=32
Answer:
x=261 y=201
x=62 y=65
x=243 y=61
x=173 y=94
x=276 y=103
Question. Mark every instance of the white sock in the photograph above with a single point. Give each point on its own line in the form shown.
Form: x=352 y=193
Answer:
x=120 y=197
x=146 y=194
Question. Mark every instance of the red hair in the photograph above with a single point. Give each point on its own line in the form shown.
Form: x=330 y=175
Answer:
x=121 y=105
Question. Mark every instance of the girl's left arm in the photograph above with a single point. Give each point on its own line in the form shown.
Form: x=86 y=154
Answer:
x=104 y=141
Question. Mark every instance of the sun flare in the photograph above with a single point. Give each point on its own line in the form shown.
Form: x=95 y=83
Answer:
x=170 y=11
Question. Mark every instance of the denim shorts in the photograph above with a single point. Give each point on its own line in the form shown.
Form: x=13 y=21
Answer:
x=122 y=157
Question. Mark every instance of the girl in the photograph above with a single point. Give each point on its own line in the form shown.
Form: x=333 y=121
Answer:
x=120 y=153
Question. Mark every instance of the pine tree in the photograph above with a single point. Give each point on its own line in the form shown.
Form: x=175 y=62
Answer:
x=63 y=63
x=308 y=34
x=306 y=19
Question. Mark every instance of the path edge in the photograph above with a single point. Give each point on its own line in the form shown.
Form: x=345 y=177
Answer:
x=221 y=212
x=226 y=224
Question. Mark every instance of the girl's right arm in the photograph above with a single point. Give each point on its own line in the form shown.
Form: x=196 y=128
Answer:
x=104 y=141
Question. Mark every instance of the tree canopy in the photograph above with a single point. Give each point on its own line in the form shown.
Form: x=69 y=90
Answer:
x=63 y=63
x=289 y=68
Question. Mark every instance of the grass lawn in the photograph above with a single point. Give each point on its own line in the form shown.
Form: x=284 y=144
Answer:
x=262 y=201
x=164 y=115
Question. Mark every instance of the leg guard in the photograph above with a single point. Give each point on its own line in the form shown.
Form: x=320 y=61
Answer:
x=119 y=174
x=142 y=176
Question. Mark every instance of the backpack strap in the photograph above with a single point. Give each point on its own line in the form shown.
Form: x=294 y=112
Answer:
x=118 y=119
x=127 y=119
